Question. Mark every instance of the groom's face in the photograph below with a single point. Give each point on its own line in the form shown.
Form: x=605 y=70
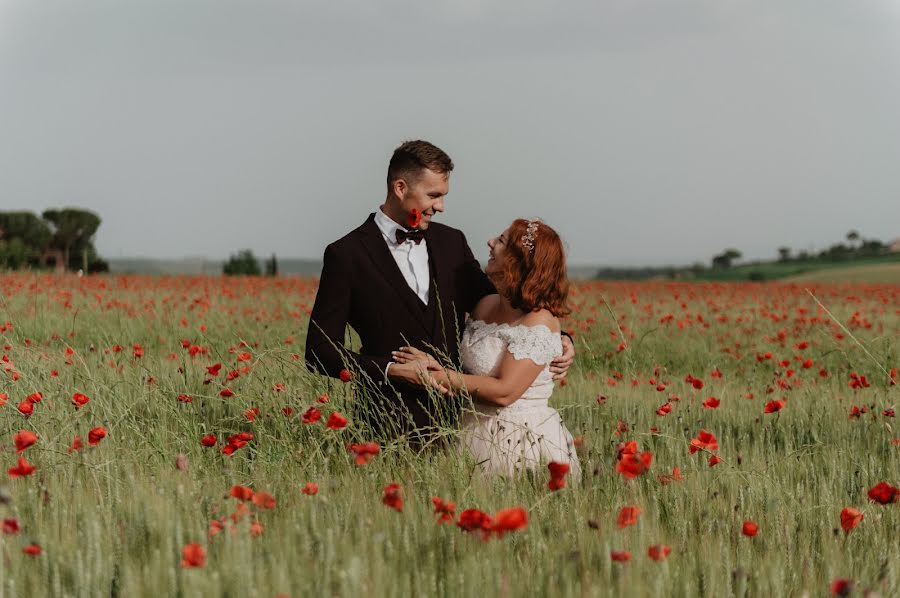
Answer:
x=426 y=193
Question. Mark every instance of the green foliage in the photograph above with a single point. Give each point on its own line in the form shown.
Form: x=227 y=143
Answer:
x=243 y=263
x=272 y=266
x=73 y=232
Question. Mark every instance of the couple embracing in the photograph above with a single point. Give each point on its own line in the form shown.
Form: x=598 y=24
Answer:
x=408 y=285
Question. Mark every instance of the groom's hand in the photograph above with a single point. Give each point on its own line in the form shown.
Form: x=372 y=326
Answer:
x=559 y=367
x=416 y=373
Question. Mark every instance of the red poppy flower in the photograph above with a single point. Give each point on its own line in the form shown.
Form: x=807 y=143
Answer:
x=24 y=439
x=628 y=516
x=345 y=376
x=704 y=441
x=336 y=421
x=236 y=442
x=850 y=518
x=714 y=460
x=893 y=378
x=445 y=510
x=256 y=529
x=659 y=552
x=558 y=473
x=473 y=519
x=668 y=479
x=32 y=549
x=24 y=468
x=251 y=414
x=364 y=452
x=310 y=489
x=76 y=444
x=215 y=526
x=264 y=500
x=414 y=218
x=226 y=393
x=96 y=435
x=79 y=400
x=213 y=370
x=193 y=555
x=711 y=403
x=11 y=526
x=509 y=520
x=26 y=408
x=665 y=408
x=631 y=465
x=322 y=398
x=311 y=415
x=240 y=492
x=185 y=398
x=620 y=556
x=393 y=497
x=208 y=440
x=883 y=493
x=773 y=406
x=138 y=350
x=749 y=529
x=841 y=587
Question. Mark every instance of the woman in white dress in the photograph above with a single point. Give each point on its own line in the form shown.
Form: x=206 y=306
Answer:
x=506 y=349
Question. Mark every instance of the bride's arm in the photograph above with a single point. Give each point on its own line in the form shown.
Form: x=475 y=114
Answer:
x=512 y=380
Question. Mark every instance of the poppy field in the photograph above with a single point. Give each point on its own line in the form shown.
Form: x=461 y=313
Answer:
x=162 y=436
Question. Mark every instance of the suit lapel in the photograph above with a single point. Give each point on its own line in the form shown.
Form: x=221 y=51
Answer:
x=378 y=251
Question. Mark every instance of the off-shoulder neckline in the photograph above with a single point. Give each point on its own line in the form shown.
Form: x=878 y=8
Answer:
x=473 y=321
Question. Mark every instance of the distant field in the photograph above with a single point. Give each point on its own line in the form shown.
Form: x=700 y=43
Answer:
x=876 y=273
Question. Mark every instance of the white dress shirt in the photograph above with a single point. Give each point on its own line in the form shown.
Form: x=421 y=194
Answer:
x=412 y=259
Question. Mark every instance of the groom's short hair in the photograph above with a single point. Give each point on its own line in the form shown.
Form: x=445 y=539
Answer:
x=412 y=157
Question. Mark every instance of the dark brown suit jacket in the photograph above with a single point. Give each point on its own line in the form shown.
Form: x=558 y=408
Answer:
x=362 y=286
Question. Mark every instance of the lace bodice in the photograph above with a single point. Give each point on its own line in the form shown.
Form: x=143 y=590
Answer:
x=484 y=345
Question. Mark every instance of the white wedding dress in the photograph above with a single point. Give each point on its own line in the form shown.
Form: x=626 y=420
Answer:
x=528 y=433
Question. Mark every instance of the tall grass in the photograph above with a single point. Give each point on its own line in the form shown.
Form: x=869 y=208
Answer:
x=113 y=519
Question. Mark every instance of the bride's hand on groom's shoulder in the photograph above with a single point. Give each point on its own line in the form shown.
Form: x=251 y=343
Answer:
x=559 y=367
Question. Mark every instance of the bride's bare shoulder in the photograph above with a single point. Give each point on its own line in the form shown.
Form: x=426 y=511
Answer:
x=484 y=307
x=542 y=317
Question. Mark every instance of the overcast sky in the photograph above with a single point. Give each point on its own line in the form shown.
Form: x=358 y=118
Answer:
x=645 y=131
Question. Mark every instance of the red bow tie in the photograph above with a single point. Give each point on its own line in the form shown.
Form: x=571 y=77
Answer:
x=415 y=236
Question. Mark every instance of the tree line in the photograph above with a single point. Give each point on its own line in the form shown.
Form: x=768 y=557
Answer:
x=61 y=239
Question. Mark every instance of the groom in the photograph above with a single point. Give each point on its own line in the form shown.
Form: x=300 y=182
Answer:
x=400 y=279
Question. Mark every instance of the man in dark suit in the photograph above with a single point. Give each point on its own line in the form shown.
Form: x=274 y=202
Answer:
x=399 y=279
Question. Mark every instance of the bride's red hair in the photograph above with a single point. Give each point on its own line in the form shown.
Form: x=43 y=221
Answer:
x=533 y=280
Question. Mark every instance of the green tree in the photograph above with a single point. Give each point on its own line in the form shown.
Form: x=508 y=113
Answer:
x=784 y=254
x=242 y=263
x=25 y=237
x=73 y=229
x=725 y=259
x=272 y=266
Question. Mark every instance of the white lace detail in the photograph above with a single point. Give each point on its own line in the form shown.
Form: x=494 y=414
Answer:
x=484 y=344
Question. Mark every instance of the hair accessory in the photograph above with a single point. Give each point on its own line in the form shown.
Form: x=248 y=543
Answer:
x=528 y=238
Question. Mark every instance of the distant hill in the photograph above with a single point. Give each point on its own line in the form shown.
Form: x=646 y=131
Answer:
x=286 y=266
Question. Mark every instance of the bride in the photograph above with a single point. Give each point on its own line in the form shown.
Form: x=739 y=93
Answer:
x=506 y=349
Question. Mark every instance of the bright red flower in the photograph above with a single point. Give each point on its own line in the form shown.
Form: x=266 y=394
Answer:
x=35 y=397
x=24 y=439
x=26 y=408
x=631 y=465
x=79 y=400
x=310 y=489
x=773 y=406
x=883 y=493
x=311 y=415
x=711 y=403
x=251 y=414
x=414 y=218
x=510 y=520
x=704 y=441
x=393 y=497
x=473 y=519
x=659 y=552
x=185 y=398
x=236 y=442
x=96 y=435
x=850 y=518
x=32 y=549
x=213 y=370
x=841 y=587
x=364 y=452
x=11 y=526
x=345 y=376
x=240 y=492
x=264 y=500
x=208 y=440
x=244 y=356
x=336 y=421
x=445 y=510
x=714 y=460
x=226 y=393
x=24 y=468
x=628 y=516
x=665 y=408
x=193 y=555
x=749 y=529
x=558 y=473
x=138 y=350
x=893 y=377
x=620 y=556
